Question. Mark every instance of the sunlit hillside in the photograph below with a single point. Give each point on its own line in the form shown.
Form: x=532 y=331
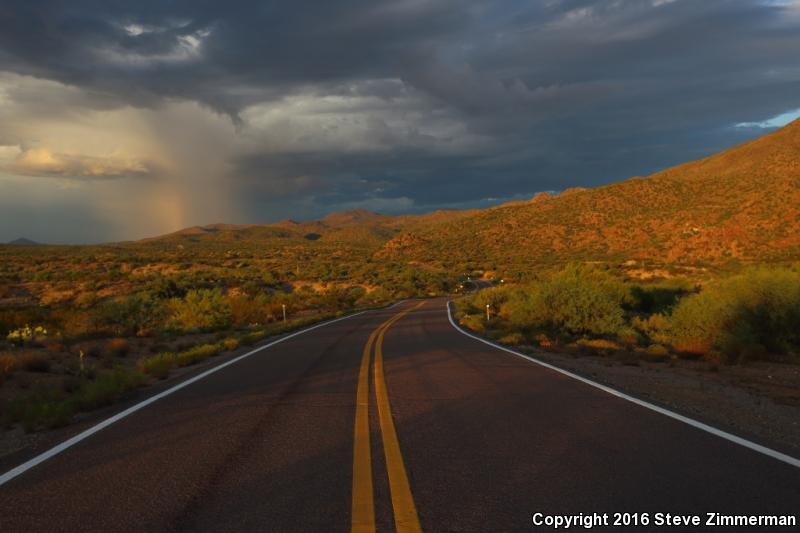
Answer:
x=737 y=206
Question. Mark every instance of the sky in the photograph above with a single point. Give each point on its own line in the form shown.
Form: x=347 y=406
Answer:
x=121 y=120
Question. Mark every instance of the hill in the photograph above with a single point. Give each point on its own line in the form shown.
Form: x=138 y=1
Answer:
x=22 y=241
x=740 y=205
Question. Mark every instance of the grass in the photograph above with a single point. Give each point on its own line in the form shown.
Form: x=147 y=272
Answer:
x=106 y=389
x=160 y=365
x=157 y=366
x=50 y=407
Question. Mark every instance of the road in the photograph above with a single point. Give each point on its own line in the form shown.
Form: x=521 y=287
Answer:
x=390 y=419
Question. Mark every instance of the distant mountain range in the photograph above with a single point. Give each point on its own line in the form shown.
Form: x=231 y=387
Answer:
x=22 y=241
x=740 y=205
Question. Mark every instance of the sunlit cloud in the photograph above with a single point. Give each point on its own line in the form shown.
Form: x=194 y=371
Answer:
x=45 y=163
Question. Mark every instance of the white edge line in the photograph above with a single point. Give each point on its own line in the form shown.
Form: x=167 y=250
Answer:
x=788 y=459
x=14 y=472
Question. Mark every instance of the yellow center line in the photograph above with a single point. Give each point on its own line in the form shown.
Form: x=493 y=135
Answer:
x=363 y=505
x=405 y=512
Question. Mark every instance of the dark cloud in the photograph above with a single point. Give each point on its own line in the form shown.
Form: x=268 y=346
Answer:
x=436 y=102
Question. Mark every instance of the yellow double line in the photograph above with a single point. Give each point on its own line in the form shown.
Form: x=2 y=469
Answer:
x=363 y=507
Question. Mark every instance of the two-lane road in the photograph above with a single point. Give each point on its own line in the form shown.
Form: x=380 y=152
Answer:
x=388 y=419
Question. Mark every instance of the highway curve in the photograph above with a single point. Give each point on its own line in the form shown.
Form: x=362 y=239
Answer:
x=389 y=420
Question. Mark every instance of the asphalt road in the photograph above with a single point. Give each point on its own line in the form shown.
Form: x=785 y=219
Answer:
x=428 y=429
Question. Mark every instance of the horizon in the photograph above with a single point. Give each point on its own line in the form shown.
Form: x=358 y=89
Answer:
x=777 y=123
x=124 y=122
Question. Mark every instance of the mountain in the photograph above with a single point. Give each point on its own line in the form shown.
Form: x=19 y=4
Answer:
x=741 y=205
x=22 y=241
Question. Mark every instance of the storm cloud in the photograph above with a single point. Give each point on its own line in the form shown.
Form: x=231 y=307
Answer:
x=250 y=111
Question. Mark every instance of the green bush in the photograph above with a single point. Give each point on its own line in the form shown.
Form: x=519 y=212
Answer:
x=747 y=315
x=247 y=310
x=128 y=315
x=198 y=353
x=229 y=344
x=514 y=339
x=53 y=407
x=376 y=297
x=43 y=407
x=474 y=322
x=656 y=352
x=578 y=300
x=251 y=338
x=157 y=366
x=201 y=309
x=106 y=389
x=656 y=327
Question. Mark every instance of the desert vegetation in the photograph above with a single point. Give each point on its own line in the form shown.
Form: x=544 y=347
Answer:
x=656 y=268
x=81 y=327
x=750 y=315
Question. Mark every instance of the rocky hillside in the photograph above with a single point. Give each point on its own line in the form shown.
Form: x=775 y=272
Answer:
x=740 y=205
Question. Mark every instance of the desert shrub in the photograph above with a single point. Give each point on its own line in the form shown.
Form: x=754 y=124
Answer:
x=118 y=347
x=86 y=300
x=495 y=297
x=339 y=298
x=49 y=406
x=33 y=362
x=601 y=346
x=229 y=344
x=746 y=315
x=579 y=300
x=106 y=389
x=42 y=407
x=543 y=340
x=167 y=288
x=247 y=310
x=7 y=365
x=157 y=366
x=513 y=339
x=649 y=299
x=201 y=309
x=374 y=298
x=656 y=352
x=127 y=315
x=656 y=327
x=251 y=338
x=197 y=354
x=474 y=322
x=75 y=323
x=629 y=336
x=27 y=335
